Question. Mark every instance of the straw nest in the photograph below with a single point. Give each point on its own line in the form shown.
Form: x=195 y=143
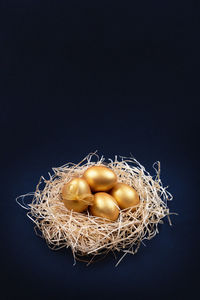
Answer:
x=89 y=236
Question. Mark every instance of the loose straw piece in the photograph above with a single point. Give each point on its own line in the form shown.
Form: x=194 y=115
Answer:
x=90 y=235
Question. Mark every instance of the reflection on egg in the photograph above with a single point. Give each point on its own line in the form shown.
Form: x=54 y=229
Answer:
x=125 y=195
x=100 y=178
x=76 y=194
x=105 y=206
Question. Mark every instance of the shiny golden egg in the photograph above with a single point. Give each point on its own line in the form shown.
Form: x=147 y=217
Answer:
x=100 y=178
x=125 y=195
x=105 y=206
x=76 y=195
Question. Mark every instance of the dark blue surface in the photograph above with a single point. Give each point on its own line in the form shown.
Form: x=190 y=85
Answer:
x=117 y=77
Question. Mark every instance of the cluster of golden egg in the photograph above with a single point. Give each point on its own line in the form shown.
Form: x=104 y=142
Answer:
x=99 y=190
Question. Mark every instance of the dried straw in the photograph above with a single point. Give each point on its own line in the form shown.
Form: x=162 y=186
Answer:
x=89 y=235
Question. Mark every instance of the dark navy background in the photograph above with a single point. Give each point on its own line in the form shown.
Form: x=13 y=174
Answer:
x=112 y=76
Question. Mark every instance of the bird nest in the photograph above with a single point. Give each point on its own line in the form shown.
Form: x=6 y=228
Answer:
x=89 y=236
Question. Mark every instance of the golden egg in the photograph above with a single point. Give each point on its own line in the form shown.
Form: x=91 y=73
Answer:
x=125 y=195
x=76 y=194
x=100 y=178
x=105 y=206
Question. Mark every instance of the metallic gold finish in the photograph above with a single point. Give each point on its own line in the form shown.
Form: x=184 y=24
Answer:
x=125 y=195
x=100 y=178
x=76 y=195
x=105 y=206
